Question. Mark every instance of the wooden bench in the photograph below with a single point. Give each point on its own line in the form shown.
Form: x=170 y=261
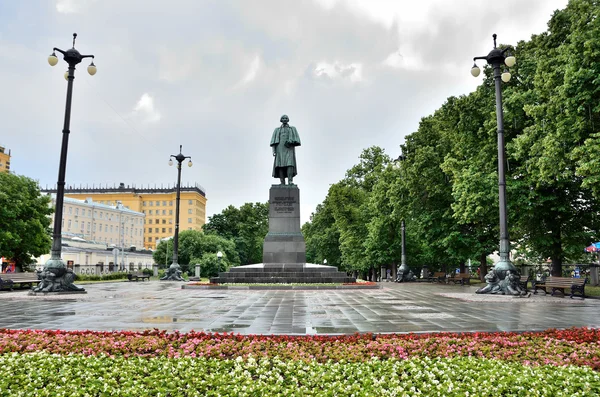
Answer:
x=25 y=279
x=439 y=277
x=576 y=285
x=137 y=276
x=462 y=278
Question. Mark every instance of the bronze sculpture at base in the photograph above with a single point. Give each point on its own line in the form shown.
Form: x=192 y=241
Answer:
x=509 y=285
x=57 y=279
x=173 y=273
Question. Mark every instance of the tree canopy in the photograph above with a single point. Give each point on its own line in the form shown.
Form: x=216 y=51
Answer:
x=446 y=187
x=24 y=219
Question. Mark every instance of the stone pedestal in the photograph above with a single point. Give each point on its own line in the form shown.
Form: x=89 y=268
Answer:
x=197 y=270
x=155 y=270
x=284 y=243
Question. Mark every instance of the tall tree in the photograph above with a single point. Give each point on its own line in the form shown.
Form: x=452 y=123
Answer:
x=193 y=245
x=246 y=226
x=24 y=219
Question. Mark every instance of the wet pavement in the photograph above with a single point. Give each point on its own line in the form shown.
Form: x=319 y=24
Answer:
x=414 y=307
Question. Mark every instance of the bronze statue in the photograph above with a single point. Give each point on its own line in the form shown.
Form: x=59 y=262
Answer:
x=284 y=142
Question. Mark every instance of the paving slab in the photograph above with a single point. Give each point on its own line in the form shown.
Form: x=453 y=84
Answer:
x=395 y=308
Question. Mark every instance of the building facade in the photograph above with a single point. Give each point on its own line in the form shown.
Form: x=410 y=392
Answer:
x=113 y=225
x=4 y=160
x=157 y=204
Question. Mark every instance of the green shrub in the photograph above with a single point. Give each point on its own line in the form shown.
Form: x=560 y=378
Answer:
x=104 y=277
x=148 y=272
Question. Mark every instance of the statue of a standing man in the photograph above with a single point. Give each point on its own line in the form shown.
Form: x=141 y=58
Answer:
x=284 y=142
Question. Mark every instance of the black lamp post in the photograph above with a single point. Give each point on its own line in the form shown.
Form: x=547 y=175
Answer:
x=174 y=272
x=219 y=257
x=497 y=58
x=55 y=276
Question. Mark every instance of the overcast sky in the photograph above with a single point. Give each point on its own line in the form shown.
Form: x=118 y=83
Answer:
x=216 y=75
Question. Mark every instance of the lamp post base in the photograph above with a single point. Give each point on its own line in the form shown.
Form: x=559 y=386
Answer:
x=405 y=274
x=56 y=277
x=503 y=279
x=173 y=273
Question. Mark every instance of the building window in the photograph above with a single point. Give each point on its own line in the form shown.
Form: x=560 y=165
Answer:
x=189 y=220
x=70 y=210
x=189 y=228
x=157 y=203
x=111 y=228
x=76 y=225
x=190 y=202
x=164 y=221
x=94 y=227
x=171 y=203
x=90 y=213
x=100 y=214
x=164 y=203
x=170 y=230
x=151 y=203
x=164 y=212
x=150 y=221
x=164 y=230
x=89 y=227
x=170 y=221
x=143 y=203
x=149 y=238
x=156 y=230
x=76 y=211
x=189 y=211
x=151 y=212
x=69 y=226
x=170 y=212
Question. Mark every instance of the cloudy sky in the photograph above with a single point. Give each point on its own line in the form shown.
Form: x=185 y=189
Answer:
x=216 y=75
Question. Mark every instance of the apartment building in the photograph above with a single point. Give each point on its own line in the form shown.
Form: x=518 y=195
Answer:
x=4 y=159
x=103 y=223
x=156 y=203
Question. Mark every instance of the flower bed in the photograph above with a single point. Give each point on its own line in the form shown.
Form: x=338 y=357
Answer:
x=553 y=362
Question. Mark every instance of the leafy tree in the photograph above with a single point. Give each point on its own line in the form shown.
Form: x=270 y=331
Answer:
x=246 y=226
x=323 y=237
x=24 y=219
x=193 y=245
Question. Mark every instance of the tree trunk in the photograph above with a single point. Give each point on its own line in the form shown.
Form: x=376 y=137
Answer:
x=482 y=266
x=462 y=268
x=557 y=253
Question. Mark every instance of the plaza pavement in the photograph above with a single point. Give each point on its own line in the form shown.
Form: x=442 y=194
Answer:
x=413 y=307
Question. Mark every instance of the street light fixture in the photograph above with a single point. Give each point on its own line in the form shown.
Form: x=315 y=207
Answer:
x=174 y=271
x=504 y=267
x=219 y=256
x=55 y=276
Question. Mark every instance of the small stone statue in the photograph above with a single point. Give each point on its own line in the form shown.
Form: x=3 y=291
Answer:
x=284 y=142
x=51 y=282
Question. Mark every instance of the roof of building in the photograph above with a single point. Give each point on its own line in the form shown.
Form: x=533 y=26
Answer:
x=121 y=188
x=90 y=203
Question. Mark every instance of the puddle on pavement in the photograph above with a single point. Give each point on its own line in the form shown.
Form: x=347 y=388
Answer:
x=58 y=314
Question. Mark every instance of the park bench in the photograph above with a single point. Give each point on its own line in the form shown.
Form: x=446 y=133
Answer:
x=137 y=276
x=462 y=278
x=576 y=285
x=25 y=279
x=439 y=277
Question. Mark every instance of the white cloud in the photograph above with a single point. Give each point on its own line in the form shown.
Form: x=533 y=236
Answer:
x=252 y=70
x=400 y=60
x=72 y=6
x=351 y=72
x=144 y=108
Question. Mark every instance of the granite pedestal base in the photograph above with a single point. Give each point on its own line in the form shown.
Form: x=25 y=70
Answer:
x=283 y=273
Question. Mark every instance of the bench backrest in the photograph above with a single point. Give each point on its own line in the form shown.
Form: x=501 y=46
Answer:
x=439 y=274
x=20 y=276
x=564 y=280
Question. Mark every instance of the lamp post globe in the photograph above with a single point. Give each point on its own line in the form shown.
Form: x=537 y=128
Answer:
x=56 y=277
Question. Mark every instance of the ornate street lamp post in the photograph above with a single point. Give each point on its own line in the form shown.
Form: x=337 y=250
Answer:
x=174 y=271
x=504 y=267
x=56 y=277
